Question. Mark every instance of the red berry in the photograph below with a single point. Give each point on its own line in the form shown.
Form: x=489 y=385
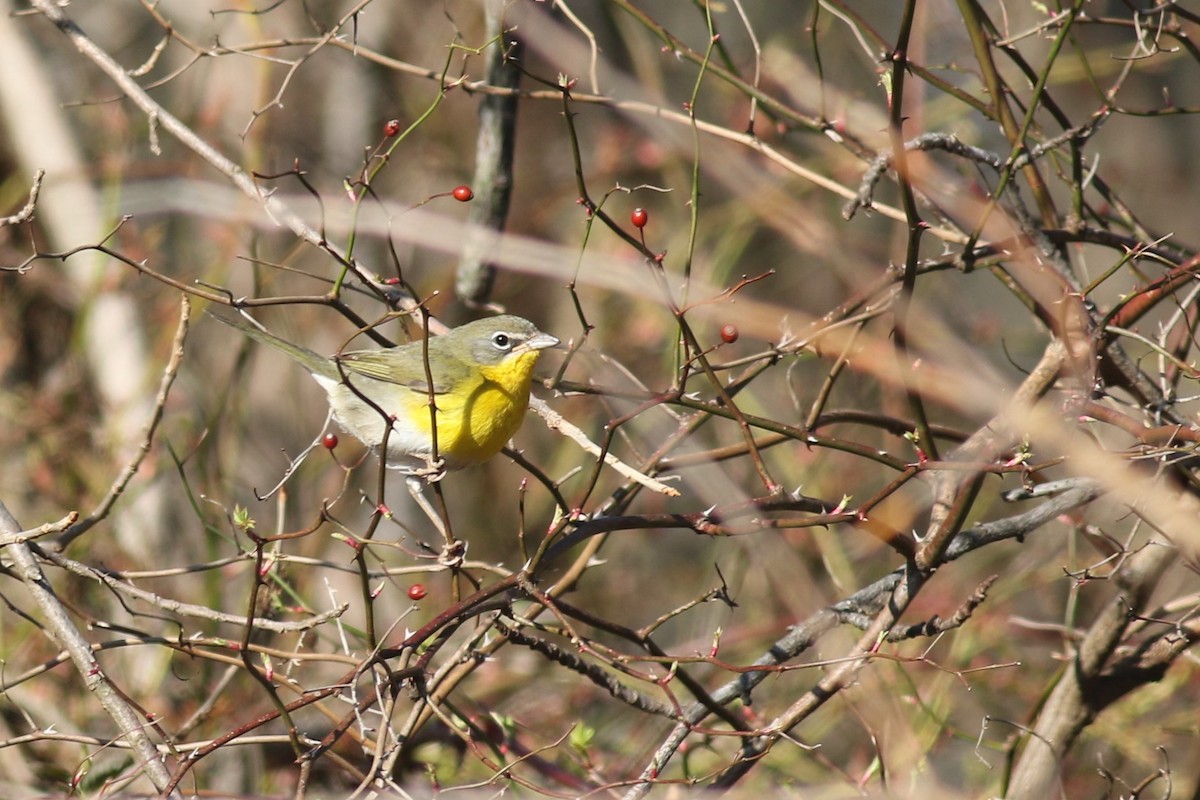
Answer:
x=416 y=591
x=391 y=128
x=639 y=217
x=729 y=334
x=329 y=441
x=463 y=194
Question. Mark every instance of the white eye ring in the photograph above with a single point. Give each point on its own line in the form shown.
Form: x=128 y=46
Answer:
x=501 y=341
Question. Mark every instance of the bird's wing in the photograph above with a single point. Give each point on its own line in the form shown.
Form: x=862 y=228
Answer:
x=377 y=365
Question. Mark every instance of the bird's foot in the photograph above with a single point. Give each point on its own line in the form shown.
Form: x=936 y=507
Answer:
x=433 y=471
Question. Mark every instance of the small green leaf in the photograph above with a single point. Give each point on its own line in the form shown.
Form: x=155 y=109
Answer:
x=581 y=737
x=242 y=519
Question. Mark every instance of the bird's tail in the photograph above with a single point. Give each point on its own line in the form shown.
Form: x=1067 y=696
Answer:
x=318 y=365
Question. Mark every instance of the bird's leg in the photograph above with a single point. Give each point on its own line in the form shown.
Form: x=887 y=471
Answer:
x=415 y=482
x=453 y=550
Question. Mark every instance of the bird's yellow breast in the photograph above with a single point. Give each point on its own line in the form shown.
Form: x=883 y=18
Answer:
x=477 y=418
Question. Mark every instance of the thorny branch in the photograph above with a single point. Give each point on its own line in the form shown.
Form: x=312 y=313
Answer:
x=1002 y=327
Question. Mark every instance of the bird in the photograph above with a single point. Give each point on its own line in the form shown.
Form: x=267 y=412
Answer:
x=480 y=372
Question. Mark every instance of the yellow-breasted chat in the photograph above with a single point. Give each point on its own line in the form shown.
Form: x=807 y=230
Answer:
x=481 y=373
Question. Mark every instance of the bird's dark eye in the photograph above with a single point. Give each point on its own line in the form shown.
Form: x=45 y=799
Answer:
x=502 y=341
